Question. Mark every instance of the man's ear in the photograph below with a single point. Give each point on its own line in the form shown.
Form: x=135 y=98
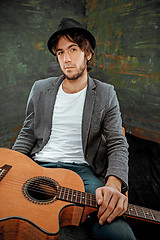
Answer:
x=89 y=56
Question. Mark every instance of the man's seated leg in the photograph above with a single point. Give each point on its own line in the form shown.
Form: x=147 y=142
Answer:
x=119 y=229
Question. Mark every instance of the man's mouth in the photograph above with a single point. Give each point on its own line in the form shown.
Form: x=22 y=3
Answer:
x=68 y=67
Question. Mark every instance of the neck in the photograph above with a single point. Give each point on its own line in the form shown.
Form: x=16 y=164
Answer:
x=89 y=200
x=74 y=86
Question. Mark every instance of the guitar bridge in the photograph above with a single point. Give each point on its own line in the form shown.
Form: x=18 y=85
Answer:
x=4 y=170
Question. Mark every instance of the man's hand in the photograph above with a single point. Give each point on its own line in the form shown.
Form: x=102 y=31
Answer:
x=112 y=202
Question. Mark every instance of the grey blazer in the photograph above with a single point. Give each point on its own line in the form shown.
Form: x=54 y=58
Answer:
x=104 y=145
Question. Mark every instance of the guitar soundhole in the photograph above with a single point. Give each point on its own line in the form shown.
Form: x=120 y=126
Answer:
x=41 y=190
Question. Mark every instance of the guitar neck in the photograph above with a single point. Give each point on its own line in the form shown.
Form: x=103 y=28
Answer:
x=88 y=199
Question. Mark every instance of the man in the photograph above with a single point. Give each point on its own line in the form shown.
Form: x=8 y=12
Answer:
x=74 y=122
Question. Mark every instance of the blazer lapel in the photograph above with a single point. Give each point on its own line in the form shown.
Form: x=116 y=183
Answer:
x=50 y=98
x=88 y=111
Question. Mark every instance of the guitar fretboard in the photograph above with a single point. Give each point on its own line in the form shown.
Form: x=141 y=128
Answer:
x=78 y=197
x=143 y=213
x=88 y=199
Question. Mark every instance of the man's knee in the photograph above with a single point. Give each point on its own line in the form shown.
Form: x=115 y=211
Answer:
x=119 y=229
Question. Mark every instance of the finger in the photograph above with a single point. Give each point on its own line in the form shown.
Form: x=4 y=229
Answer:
x=107 y=210
x=126 y=194
x=99 y=196
x=125 y=205
x=119 y=210
x=107 y=196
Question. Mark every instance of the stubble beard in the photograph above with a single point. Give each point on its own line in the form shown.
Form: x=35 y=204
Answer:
x=78 y=74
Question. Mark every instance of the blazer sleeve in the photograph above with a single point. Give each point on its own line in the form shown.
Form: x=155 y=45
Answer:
x=117 y=146
x=26 y=139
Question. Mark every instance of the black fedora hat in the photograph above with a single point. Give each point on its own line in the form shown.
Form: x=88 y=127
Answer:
x=67 y=25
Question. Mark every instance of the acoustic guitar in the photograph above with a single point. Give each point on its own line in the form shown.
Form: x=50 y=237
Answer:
x=36 y=201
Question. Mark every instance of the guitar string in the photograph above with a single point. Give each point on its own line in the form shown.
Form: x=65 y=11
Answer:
x=40 y=181
x=68 y=199
x=18 y=181
x=50 y=191
x=32 y=188
x=139 y=210
x=140 y=213
x=149 y=213
x=130 y=206
x=156 y=213
x=21 y=180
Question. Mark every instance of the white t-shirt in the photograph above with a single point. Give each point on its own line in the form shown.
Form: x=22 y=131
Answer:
x=65 y=143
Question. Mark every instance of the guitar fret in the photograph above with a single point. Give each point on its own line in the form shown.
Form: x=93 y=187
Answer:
x=76 y=197
x=132 y=210
x=64 y=193
x=151 y=214
x=82 y=198
x=156 y=215
x=79 y=197
x=72 y=195
x=94 y=201
x=67 y=193
x=89 y=199
x=148 y=214
x=60 y=193
x=85 y=198
x=135 y=210
x=143 y=212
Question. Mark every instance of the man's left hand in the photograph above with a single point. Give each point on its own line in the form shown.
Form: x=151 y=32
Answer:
x=111 y=201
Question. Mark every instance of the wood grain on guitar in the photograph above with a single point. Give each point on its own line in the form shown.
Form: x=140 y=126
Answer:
x=35 y=201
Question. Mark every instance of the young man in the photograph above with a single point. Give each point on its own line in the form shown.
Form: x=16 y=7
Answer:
x=74 y=122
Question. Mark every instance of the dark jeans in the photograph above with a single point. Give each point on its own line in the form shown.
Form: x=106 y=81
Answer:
x=117 y=230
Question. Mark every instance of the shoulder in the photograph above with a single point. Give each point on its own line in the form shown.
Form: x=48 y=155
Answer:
x=46 y=83
x=103 y=88
x=105 y=93
x=102 y=84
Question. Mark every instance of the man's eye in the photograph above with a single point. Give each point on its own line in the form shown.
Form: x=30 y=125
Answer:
x=60 y=53
x=73 y=49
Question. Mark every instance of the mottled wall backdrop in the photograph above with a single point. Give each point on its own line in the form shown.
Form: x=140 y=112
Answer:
x=25 y=26
x=128 y=56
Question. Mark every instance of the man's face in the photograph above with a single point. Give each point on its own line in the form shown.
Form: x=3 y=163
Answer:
x=71 y=58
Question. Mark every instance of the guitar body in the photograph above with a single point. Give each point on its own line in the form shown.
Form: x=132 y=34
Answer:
x=36 y=201
x=25 y=216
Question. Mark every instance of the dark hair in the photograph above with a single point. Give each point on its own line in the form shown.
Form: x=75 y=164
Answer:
x=79 y=39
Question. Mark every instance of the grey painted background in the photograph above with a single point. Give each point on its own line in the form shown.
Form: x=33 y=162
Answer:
x=127 y=56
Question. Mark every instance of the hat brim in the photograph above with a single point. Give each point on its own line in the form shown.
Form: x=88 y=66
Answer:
x=82 y=31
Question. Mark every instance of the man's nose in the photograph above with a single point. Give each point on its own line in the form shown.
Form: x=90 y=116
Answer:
x=67 y=57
